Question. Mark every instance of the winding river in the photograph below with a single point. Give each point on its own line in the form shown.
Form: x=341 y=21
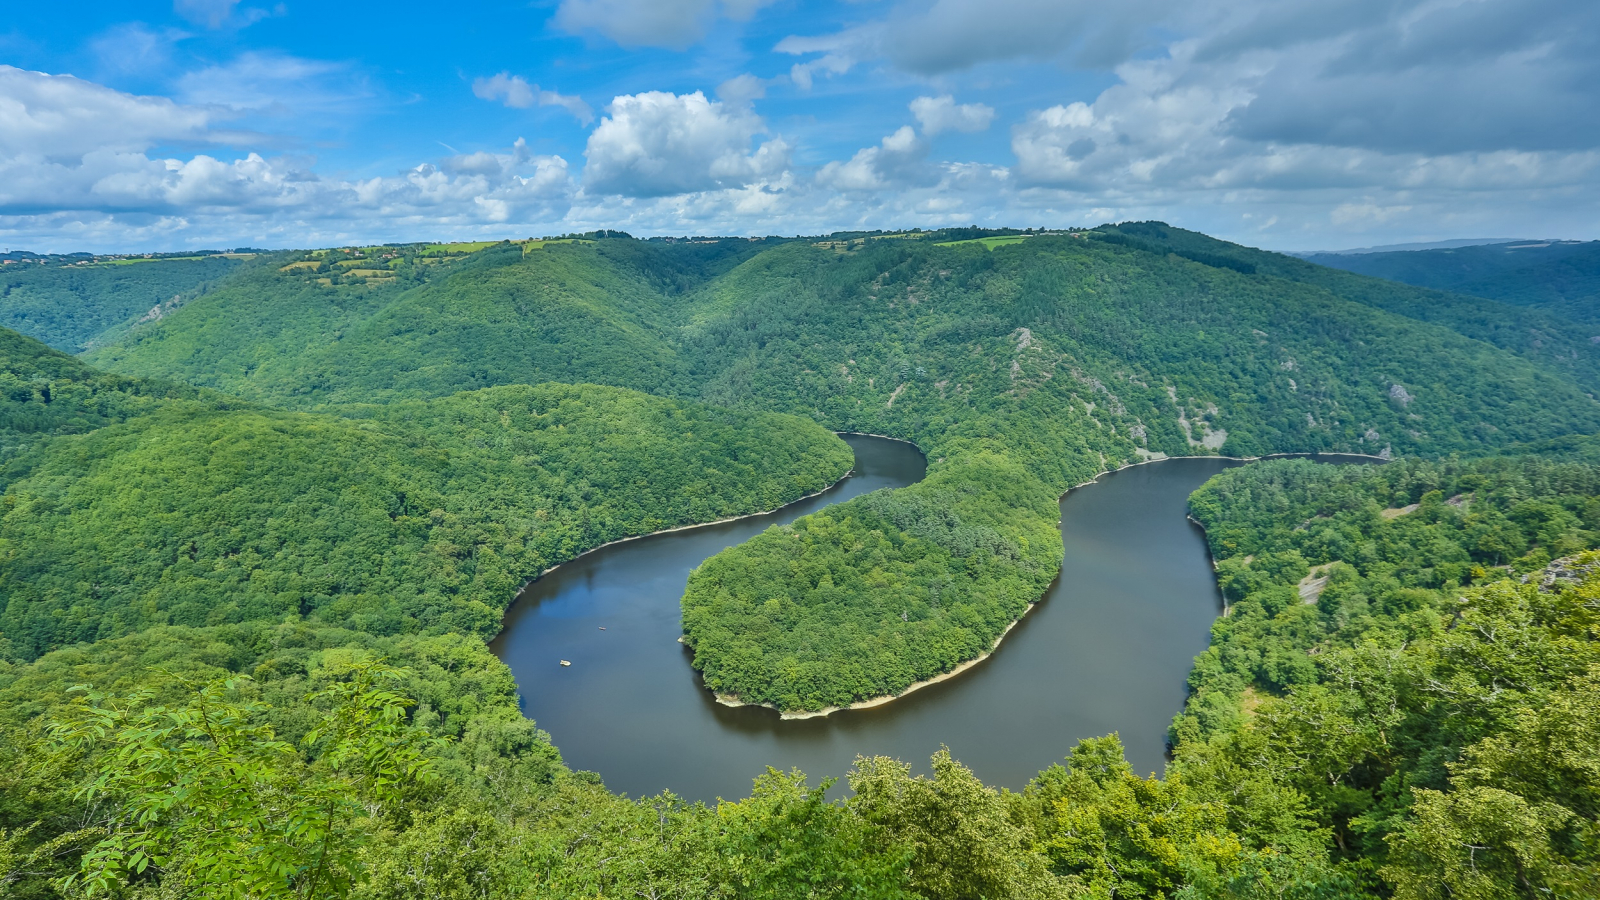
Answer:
x=1108 y=650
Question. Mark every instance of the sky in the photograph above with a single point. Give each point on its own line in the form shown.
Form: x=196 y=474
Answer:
x=1284 y=124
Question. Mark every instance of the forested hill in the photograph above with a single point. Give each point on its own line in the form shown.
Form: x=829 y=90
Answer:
x=1021 y=364
x=45 y=392
x=130 y=504
x=1561 y=277
x=73 y=304
x=228 y=575
x=341 y=327
x=1531 y=317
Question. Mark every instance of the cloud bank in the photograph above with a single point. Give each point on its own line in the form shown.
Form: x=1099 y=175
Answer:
x=1280 y=122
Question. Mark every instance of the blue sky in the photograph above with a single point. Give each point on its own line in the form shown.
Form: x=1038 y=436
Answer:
x=1288 y=124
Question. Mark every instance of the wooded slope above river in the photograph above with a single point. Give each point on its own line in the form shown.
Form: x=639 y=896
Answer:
x=1020 y=370
x=326 y=457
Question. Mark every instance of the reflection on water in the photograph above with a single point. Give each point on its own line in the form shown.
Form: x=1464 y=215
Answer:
x=1108 y=650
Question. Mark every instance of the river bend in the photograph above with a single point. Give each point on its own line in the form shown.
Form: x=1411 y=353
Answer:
x=1108 y=650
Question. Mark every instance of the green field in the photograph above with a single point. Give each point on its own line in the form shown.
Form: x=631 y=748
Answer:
x=989 y=243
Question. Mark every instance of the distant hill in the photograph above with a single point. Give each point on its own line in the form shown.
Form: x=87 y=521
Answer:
x=1415 y=245
x=1562 y=277
x=68 y=302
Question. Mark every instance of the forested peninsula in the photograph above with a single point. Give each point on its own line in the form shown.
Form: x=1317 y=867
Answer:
x=294 y=504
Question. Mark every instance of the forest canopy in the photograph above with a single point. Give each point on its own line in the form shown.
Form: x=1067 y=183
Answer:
x=294 y=504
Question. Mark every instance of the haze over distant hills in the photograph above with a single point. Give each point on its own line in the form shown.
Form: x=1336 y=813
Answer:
x=1395 y=248
x=1561 y=277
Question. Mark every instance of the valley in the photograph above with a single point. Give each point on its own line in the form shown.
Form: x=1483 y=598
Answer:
x=324 y=459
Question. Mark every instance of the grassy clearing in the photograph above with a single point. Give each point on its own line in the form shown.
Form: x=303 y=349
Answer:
x=304 y=265
x=539 y=244
x=989 y=243
x=457 y=249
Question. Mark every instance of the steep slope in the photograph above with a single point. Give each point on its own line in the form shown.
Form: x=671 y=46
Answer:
x=70 y=306
x=45 y=392
x=1546 y=336
x=507 y=314
x=420 y=517
x=1021 y=371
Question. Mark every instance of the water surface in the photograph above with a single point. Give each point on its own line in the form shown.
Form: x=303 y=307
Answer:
x=1107 y=650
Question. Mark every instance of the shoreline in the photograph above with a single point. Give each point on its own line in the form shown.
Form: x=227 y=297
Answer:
x=873 y=702
x=638 y=537
x=767 y=512
x=888 y=698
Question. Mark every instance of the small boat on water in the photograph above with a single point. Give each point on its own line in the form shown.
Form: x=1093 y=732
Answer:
x=566 y=662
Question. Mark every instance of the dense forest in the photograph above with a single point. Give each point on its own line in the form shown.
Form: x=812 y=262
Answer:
x=1032 y=365
x=74 y=304
x=1402 y=735
x=273 y=586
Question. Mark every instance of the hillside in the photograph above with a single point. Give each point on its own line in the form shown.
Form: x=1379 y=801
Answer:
x=1020 y=366
x=71 y=306
x=272 y=557
x=133 y=503
x=1546 y=336
x=1559 y=277
x=1020 y=372
x=302 y=334
x=45 y=392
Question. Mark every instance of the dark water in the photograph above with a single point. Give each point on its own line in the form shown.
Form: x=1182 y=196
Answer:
x=1108 y=650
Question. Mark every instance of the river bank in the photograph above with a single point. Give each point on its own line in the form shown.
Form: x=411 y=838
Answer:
x=639 y=537
x=881 y=701
x=1107 y=650
x=874 y=702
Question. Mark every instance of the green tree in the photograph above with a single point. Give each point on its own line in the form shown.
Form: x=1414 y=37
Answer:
x=206 y=798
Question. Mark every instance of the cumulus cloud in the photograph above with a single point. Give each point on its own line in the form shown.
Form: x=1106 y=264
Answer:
x=899 y=159
x=657 y=143
x=515 y=92
x=675 y=24
x=1351 y=117
x=72 y=150
x=936 y=114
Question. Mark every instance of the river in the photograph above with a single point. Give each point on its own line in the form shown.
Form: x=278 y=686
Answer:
x=1107 y=650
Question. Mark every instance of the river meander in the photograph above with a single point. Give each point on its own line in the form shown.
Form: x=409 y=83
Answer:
x=1107 y=650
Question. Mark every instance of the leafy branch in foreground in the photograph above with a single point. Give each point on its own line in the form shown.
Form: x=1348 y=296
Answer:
x=205 y=796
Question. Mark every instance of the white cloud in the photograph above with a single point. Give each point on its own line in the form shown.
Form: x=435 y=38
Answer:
x=656 y=143
x=1329 y=122
x=900 y=159
x=61 y=116
x=804 y=74
x=936 y=114
x=75 y=151
x=742 y=89
x=515 y=92
x=651 y=23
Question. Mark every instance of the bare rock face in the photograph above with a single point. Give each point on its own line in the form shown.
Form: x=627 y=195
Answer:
x=1565 y=572
x=1399 y=394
